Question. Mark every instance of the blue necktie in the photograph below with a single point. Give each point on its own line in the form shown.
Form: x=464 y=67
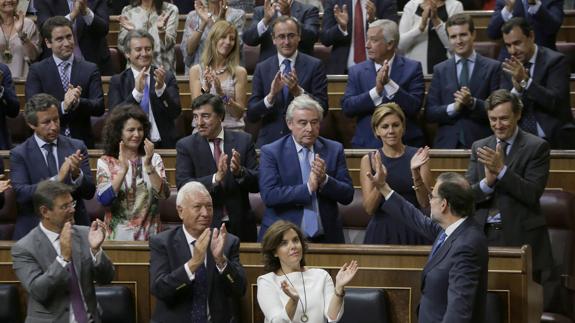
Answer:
x=528 y=121
x=438 y=243
x=50 y=159
x=309 y=214
x=200 y=295
x=287 y=70
x=464 y=74
x=145 y=103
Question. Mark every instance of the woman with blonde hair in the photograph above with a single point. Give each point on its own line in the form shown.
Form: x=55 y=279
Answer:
x=220 y=73
x=408 y=175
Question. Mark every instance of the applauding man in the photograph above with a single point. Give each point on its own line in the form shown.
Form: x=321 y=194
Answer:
x=153 y=88
x=58 y=262
x=195 y=271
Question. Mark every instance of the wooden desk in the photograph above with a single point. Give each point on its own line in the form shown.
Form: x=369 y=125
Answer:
x=395 y=268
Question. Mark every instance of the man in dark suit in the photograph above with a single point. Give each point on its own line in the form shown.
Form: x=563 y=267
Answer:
x=508 y=172
x=48 y=155
x=9 y=105
x=306 y=195
x=260 y=31
x=340 y=19
x=544 y=16
x=230 y=185
x=90 y=21
x=77 y=84
x=539 y=76
x=454 y=280
x=195 y=270
x=280 y=78
x=458 y=88
x=158 y=96
x=384 y=77
x=58 y=262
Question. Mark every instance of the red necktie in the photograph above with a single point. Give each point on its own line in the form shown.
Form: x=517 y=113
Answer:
x=358 y=34
x=217 y=150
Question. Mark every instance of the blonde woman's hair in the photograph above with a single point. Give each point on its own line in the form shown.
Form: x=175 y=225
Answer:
x=383 y=111
x=218 y=31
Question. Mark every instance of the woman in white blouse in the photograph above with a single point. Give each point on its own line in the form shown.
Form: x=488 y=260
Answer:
x=422 y=30
x=291 y=292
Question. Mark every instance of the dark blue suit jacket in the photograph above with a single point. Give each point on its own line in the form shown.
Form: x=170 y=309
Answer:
x=546 y=23
x=44 y=77
x=28 y=168
x=165 y=108
x=194 y=162
x=548 y=94
x=169 y=282
x=454 y=281
x=9 y=106
x=311 y=77
x=332 y=36
x=471 y=121
x=356 y=101
x=284 y=192
x=91 y=39
x=308 y=17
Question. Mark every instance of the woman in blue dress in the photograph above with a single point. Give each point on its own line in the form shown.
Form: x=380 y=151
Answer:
x=408 y=174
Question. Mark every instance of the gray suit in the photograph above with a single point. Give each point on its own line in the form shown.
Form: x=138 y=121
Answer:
x=46 y=281
x=517 y=194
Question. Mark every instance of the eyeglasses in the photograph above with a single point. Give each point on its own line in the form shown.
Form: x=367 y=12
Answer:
x=283 y=37
x=68 y=206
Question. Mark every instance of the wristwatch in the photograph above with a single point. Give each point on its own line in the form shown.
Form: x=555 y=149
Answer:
x=523 y=84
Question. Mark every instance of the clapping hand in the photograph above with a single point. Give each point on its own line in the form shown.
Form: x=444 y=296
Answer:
x=4 y=184
x=419 y=158
x=345 y=275
x=377 y=179
x=289 y=290
x=97 y=235
x=370 y=9
x=163 y=21
x=222 y=168
x=291 y=81
x=218 y=243
x=382 y=77
x=149 y=150
x=126 y=23
x=200 y=248
x=341 y=16
x=235 y=166
x=159 y=77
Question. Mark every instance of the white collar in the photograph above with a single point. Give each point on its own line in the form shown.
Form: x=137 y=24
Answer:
x=449 y=230
x=52 y=236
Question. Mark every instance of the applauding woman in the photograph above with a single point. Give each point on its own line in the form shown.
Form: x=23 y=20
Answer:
x=290 y=292
x=131 y=177
x=160 y=19
x=219 y=73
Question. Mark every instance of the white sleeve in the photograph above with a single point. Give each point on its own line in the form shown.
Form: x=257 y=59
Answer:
x=270 y=301
x=328 y=291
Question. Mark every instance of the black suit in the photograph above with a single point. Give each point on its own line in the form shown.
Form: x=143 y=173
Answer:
x=173 y=289
x=9 y=106
x=308 y=17
x=548 y=95
x=91 y=39
x=44 y=77
x=194 y=162
x=165 y=108
x=517 y=194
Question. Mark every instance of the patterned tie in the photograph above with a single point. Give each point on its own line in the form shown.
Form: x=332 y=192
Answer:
x=217 y=149
x=287 y=69
x=464 y=74
x=64 y=75
x=145 y=102
x=358 y=34
x=309 y=214
x=200 y=295
x=504 y=144
x=50 y=159
x=76 y=296
x=438 y=243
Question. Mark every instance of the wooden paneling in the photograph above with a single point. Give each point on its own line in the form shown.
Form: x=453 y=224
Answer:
x=395 y=268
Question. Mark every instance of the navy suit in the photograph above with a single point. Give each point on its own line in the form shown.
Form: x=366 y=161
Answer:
x=28 y=168
x=170 y=284
x=91 y=39
x=332 y=36
x=311 y=77
x=546 y=23
x=9 y=106
x=285 y=194
x=44 y=77
x=165 y=108
x=454 y=280
x=357 y=103
x=471 y=122
x=549 y=94
x=194 y=162
x=308 y=17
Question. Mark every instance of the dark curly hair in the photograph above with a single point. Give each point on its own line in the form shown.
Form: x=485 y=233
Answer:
x=112 y=132
x=273 y=238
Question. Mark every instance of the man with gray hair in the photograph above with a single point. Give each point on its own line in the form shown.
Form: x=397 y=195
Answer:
x=306 y=195
x=153 y=88
x=195 y=271
x=384 y=77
